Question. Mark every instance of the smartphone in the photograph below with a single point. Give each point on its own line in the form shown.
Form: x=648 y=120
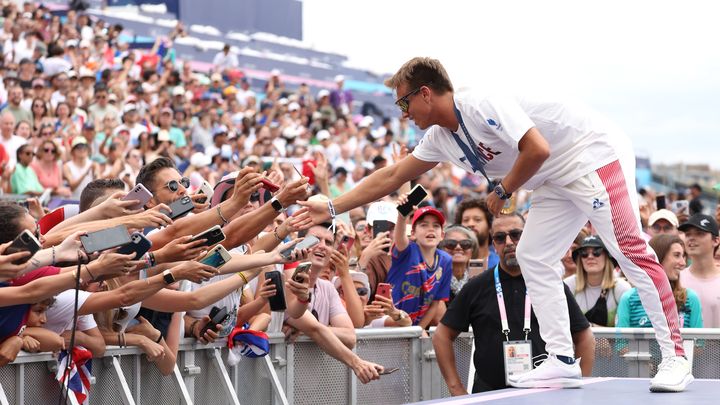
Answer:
x=213 y=235
x=345 y=242
x=180 y=207
x=476 y=263
x=139 y=245
x=306 y=243
x=303 y=267
x=415 y=197
x=660 y=202
x=105 y=239
x=384 y=289
x=379 y=226
x=277 y=301
x=389 y=371
x=268 y=185
x=216 y=257
x=139 y=192
x=205 y=189
x=217 y=317
x=681 y=207
x=25 y=242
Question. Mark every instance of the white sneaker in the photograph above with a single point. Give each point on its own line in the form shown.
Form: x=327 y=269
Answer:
x=552 y=373
x=674 y=374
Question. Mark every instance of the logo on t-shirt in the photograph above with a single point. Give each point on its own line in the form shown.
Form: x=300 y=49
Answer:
x=494 y=123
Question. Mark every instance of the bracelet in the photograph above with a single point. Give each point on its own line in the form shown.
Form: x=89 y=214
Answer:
x=159 y=339
x=331 y=208
x=192 y=327
x=53 y=257
x=222 y=218
x=151 y=256
x=242 y=276
x=88 y=270
x=146 y=258
x=277 y=237
x=305 y=302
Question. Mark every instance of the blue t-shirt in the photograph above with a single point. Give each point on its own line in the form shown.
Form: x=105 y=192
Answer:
x=415 y=286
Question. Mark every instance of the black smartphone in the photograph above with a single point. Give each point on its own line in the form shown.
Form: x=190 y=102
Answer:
x=139 y=245
x=277 y=301
x=660 y=202
x=306 y=243
x=180 y=207
x=25 y=242
x=105 y=239
x=217 y=317
x=379 y=226
x=415 y=197
x=213 y=236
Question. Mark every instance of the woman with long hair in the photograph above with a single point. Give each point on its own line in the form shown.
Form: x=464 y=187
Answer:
x=48 y=167
x=670 y=251
x=461 y=243
x=39 y=112
x=596 y=285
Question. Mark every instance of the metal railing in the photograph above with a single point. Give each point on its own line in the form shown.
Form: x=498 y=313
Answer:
x=301 y=373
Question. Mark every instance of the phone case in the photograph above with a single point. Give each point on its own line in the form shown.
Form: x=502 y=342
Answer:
x=213 y=235
x=268 y=185
x=139 y=244
x=180 y=207
x=384 y=290
x=139 y=192
x=306 y=243
x=301 y=268
x=277 y=301
x=105 y=239
x=24 y=242
x=217 y=257
x=416 y=196
x=380 y=226
x=217 y=316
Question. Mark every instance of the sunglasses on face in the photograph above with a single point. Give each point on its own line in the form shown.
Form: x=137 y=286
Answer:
x=451 y=244
x=662 y=228
x=174 y=185
x=46 y=133
x=597 y=252
x=501 y=237
x=49 y=150
x=360 y=228
x=404 y=101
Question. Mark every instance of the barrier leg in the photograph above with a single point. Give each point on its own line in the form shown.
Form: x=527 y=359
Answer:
x=3 y=397
x=184 y=394
x=218 y=363
x=125 y=394
x=275 y=381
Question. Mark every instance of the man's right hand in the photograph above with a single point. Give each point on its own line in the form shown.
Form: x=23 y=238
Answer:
x=180 y=249
x=365 y=370
x=115 y=207
x=376 y=248
x=246 y=183
x=150 y=218
x=318 y=211
x=457 y=391
x=7 y=269
x=294 y=192
x=193 y=271
x=210 y=335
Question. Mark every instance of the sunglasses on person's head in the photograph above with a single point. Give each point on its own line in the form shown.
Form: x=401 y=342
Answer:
x=174 y=185
x=501 y=237
x=450 y=244
x=404 y=101
x=595 y=252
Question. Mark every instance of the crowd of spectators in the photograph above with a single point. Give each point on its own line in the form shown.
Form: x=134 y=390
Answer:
x=85 y=118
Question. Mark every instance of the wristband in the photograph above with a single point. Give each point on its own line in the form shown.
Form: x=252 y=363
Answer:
x=159 y=339
x=92 y=277
x=242 y=276
x=151 y=256
x=192 y=328
x=331 y=208
x=306 y=301
x=53 y=258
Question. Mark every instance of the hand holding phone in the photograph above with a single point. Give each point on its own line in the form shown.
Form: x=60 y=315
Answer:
x=105 y=239
x=139 y=245
x=216 y=257
x=212 y=236
x=416 y=196
x=303 y=267
x=140 y=193
x=25 y=242
x=217 y=317
x=180 y=207
x=268 y=185
x=277 y=301
x=384 y=290
x=345 y=242
x=307 y=243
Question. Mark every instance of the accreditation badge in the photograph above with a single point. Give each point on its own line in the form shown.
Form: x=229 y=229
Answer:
x=518 y=357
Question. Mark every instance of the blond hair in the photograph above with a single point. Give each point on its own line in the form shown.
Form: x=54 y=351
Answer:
x=608 y=280
x=421 y=71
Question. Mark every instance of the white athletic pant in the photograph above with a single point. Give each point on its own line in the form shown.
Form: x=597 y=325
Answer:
x=606 y=198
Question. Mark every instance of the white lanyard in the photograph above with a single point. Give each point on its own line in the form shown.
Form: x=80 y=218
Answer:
x=503 y=313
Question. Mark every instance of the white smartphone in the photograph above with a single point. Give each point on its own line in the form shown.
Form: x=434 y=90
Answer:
x=206 y=189
x=140 y=193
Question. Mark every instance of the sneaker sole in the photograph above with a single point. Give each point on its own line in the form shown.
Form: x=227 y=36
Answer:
x=672 y=388
x=553 y=383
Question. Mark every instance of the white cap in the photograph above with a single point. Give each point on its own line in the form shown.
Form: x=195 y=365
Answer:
x=322 y=135
x=129 y=107
x=199 y=159
x=663 y=214
x=283 y=101
x=163 y=135
x=323 y=93
x=339 y=78
x=381 y=211
x=178 y=91
x=293 y=106
x=291 y=132
x=356 y=276
x=275 y=72
x=366 y=122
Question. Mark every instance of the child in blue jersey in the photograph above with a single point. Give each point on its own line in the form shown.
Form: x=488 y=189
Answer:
x=420 y=273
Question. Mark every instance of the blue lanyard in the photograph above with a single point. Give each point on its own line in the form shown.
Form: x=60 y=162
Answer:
x=503 y=312
x=476 y=160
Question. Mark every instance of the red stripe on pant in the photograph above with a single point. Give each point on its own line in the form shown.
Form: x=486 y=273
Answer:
x=634 y=247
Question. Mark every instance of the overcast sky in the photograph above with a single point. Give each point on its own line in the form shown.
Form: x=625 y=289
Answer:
x=653 y=67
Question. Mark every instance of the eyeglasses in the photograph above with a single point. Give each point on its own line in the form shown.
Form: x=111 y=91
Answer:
x=451 y=244
x=501 y=237
x=597 y=252
x=663 y=228
x=404 y=101
x=174 y=185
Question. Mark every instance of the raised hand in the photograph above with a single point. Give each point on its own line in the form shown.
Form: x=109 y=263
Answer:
x=193 y=271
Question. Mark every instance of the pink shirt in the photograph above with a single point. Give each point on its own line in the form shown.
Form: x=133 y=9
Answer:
x=709 y=291
x=48 y=178
x=326 y=302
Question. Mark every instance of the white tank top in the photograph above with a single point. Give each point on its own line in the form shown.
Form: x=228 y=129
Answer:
x=76 y=172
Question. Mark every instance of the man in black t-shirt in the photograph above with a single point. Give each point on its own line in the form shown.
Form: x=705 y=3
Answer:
x=477 y=305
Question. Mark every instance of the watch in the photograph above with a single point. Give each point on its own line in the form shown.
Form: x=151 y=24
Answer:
x=500 y=191
x=276 y=204
x=168 y=277
x=402 y=316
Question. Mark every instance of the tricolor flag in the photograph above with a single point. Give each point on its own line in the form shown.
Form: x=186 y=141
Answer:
x=76 y=377
x=247 y=342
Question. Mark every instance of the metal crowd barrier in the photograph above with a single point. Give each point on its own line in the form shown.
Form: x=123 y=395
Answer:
x=301 y=373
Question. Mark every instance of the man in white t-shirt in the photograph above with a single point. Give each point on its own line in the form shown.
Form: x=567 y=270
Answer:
x=8 y=139
x=580 y=169
x=703 y=277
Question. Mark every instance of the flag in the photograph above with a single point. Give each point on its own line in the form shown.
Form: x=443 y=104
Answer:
x=76 y=377
x=247 y=342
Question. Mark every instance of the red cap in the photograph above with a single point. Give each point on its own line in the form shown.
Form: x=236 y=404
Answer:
x=429 y=211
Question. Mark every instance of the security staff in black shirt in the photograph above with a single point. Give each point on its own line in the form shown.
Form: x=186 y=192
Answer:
x=498 y=343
